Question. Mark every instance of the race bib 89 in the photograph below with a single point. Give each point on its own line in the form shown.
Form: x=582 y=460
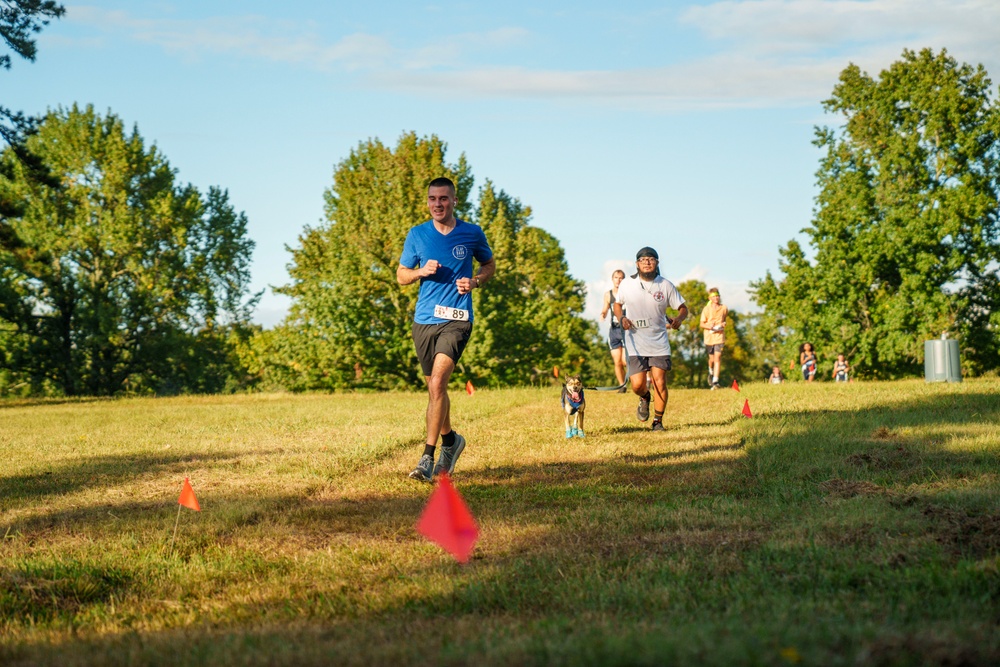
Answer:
x=446 y=313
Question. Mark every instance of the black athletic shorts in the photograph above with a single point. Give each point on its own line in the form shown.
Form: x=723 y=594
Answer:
x=712 y=349
x=447 y=338
x=616 y=338
x=638 y=365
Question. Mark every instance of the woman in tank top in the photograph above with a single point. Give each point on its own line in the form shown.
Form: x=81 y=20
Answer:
x=616 y=340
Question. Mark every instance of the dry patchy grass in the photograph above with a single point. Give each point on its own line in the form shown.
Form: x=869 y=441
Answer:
x=841 y=525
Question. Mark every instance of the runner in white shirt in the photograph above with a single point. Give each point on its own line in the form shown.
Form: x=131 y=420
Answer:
x=646 y=296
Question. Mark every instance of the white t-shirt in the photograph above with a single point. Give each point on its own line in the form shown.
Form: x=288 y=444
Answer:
x=646 y=303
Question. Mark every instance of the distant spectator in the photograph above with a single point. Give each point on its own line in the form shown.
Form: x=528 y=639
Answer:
x=807 y=358
x=776 y=377
x=840 y=369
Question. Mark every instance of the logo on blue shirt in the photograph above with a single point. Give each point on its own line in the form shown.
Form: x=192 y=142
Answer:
x=459 y=252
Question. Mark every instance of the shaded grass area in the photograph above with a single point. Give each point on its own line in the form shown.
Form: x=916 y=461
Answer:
x=842 y=525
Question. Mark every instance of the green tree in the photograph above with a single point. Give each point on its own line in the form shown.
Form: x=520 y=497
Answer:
x=20 y=20
x=905 y=235
x=349 y=323
x=531 y=314
x=118 y=279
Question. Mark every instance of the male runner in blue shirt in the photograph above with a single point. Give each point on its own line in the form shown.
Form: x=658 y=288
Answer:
x=442 y=250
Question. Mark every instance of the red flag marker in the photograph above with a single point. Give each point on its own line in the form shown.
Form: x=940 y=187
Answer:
x=746 y=409
x=469 y=389
x=188 y=498
x=736 y=386
x=447 y=521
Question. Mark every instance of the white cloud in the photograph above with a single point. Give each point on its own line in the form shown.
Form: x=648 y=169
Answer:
x=767 y=52
x=291 y=41
x=251 y=36
x=453 y=51
x=717 y=82
x=811 y=25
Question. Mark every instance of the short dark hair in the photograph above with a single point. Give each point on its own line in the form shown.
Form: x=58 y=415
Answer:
x=441 y=182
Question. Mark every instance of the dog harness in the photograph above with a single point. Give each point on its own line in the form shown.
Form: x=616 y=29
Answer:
x=568 y=398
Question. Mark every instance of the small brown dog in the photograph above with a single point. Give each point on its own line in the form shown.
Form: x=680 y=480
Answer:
x=573 y=405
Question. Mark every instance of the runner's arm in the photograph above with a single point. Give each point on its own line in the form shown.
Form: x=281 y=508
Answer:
x=407 y=276
x=486 y=269
x=682 y=313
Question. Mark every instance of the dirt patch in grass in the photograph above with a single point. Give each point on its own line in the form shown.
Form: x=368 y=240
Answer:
x=884 y=433
x=843 y=488
x=963 y=533
x=883 y=458
x=867 y=536
x=912 y=650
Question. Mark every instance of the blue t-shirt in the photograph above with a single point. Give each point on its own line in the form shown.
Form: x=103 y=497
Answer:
x=454 y=251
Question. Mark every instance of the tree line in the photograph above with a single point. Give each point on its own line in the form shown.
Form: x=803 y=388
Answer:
x=116 y=278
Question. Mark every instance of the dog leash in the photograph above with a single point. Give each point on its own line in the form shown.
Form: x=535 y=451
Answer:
x=625 y=383
x=619 y=387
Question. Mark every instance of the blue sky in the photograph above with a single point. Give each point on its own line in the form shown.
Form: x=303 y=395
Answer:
x=686 y=126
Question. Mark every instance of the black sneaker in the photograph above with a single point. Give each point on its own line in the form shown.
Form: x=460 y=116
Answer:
x=423 y=470
x=642 y=412
x=449 y=456
x=658 y=425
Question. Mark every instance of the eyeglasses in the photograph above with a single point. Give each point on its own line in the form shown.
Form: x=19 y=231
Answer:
x=645 y=260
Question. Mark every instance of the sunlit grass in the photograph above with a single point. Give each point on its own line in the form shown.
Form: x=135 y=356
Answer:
x=853 y=524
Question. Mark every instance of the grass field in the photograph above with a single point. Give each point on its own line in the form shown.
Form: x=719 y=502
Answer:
x=843 y=525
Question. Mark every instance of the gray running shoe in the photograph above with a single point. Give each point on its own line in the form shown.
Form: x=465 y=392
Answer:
x=642 y=412
x=658 y=426
x=449 y=456
x=423 y=470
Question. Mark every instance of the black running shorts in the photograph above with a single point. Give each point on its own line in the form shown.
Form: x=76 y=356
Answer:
x=638 y=365
x=447 y=338
x=616 y=338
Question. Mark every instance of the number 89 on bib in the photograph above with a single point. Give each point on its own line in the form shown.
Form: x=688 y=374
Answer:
x=456 y=314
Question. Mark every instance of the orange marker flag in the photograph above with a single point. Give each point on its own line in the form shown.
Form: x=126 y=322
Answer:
x=746 y=409
x=469 y=389
x=555 y=371
x=736 y=386
x=447 y=521
x=791 y=365
x=188 y=498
